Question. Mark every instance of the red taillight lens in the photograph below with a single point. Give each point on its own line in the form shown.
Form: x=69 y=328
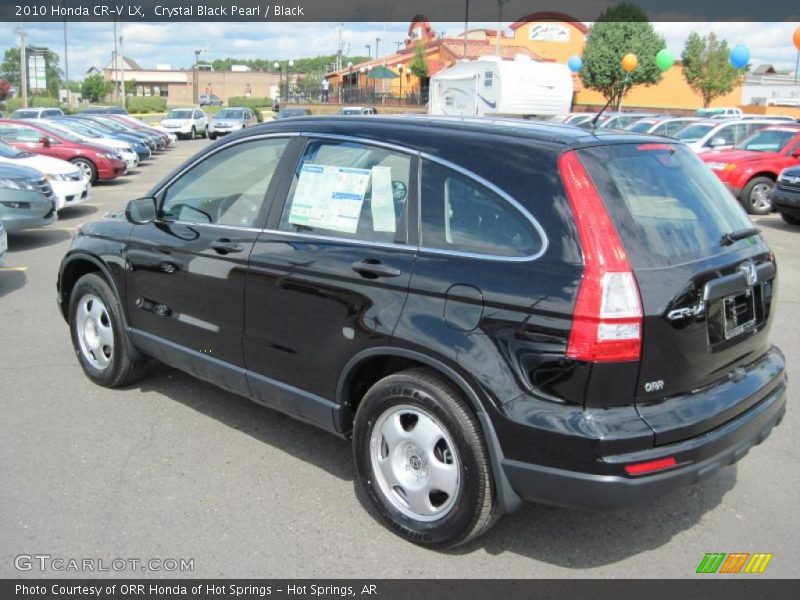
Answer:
x=607 y=324
x=651 y=467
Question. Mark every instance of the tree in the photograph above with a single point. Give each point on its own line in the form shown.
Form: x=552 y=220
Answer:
x=130 y=87
x=620 y=30
x=706 y=67
x=418 y=65
x=95 y=88
x=9 y=69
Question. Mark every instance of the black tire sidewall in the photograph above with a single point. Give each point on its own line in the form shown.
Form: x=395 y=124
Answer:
x=458 y=522
x=92 y=284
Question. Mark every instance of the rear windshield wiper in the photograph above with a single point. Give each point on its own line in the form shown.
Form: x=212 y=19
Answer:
x=739 y=234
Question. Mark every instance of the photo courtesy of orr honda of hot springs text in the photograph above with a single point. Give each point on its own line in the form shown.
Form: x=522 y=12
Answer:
x=493 y=311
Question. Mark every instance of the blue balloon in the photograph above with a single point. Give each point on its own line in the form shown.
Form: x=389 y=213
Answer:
x=575 y=63
x=740 y=56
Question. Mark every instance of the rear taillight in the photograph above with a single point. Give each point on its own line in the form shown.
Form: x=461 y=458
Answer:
x=607 y=324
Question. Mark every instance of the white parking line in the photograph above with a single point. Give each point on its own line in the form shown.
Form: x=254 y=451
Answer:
x=19 y=269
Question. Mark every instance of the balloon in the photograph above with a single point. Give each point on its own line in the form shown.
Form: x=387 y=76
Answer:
x=740 y=56
x=629 y=62
x=575 y=63
x=665 y=59
x=796 y=39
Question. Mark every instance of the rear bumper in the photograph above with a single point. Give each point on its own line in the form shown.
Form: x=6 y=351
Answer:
x=697 y=459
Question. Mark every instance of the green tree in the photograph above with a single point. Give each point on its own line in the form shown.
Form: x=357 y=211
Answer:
x=707 y=68
x=130 y=87
x=95 y=88
x=9 y=69
x=418 y=65
x=620 y=29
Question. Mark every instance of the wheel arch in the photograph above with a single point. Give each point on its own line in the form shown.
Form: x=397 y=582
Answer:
x=508 y=499
x=72 y=269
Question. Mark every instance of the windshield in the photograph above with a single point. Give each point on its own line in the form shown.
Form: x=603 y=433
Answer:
x=83 y=129
x=768 y=140
x=640 y=126
x=669 y=208
x=692 y=133
x=231 y=113
x=179 y=114
x=7 y=151
x=67 y=135
x=24 y=114
x=112 y=124
x=351 y=111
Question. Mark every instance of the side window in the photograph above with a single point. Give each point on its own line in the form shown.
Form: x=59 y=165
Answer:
x=228 y=188
x=26 y=135
x=350 y=190
x=459 y=214
x=488 y=79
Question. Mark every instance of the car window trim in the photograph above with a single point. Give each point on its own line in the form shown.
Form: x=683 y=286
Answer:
x=496 y=190
x=161 y=190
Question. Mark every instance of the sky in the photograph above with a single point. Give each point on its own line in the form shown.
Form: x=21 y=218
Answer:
x=91 y=44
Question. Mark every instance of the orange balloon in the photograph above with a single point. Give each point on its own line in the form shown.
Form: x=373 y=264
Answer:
x=629 y=62
x=796 y=38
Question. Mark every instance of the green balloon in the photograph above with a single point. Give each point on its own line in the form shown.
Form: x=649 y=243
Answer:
x=665 y=59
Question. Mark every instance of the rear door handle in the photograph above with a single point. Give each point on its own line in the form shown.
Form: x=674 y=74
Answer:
x=226 y=246
x=371 y=268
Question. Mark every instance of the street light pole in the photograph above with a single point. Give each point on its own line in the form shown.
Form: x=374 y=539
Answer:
x=369 y=50
x=196 y=78
x=277 y=66
x=289 y=66
x=23 y=73
x=400 y=68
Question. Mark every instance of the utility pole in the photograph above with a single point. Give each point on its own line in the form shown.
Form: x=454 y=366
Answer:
x=23 y=73
x=377 y=41
x=66 y=62
x=116 y=60
x=499 y=25
x=369 y=51
x=466 y=26
x=122 y=68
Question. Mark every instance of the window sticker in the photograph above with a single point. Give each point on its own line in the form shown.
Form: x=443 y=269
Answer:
x=383 y=217
x=329 y=197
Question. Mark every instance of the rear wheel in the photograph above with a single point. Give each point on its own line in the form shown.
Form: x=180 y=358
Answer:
x=98 y=336
x=193 y=134
x=755 y=196
x=791 y=220
x=87 y=167
x=422 y=460
x=213 y=136
x=205 y=132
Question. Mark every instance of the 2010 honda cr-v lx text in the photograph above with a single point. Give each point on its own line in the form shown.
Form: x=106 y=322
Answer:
x=493 y=311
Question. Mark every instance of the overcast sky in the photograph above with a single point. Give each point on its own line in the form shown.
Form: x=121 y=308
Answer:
x=91 y=44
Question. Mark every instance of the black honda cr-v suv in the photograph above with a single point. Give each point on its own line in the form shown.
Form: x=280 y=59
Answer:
x=492 y=310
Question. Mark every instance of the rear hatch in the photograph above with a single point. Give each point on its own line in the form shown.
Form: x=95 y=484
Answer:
x=706 y=300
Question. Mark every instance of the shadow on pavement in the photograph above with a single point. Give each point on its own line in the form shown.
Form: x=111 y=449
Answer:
x=76 y=212
x=566 y=538
x=778 y=224
x=36 y=238
x=11 y=281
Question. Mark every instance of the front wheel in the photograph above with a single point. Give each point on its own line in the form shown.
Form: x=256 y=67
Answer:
x=193 y=134
x=205 y=132
x=87 y=168
x=98 y=336
x=421 y=457
x=212 y=136
x=755 y=196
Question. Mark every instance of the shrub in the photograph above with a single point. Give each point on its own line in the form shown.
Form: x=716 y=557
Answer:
x=254 y=103
x=13 y=104
x=146 y=104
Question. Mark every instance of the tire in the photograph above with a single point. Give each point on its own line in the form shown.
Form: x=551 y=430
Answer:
x=98 y=336
x=434 y=431
x=790 y=219
x=87 y=167
x=193 y=134
x=205 y=132
x=754 y=196
x=212 y=136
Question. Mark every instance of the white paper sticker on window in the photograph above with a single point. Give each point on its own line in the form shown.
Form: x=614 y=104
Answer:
x=383 y=218
x=329 y=197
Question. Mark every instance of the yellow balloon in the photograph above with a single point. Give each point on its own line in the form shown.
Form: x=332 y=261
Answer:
x=629 y=62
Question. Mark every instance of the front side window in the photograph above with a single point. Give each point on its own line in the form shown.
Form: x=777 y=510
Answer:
x=15 y=133
x=228 y=188
x=459 y=214
x=350 y=190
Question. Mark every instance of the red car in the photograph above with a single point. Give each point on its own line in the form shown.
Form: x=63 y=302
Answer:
x=98 y=162
x=751 y=168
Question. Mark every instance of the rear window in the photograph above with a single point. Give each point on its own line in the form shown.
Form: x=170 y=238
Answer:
x=768 y=140
x=668 y=207
x=692 y=133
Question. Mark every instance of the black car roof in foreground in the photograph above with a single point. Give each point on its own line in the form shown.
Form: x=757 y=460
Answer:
x=368 y=125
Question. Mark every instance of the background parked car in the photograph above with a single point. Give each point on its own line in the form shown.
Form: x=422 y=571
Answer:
x=93 y=129
x=104 y=110
x=154 y=139
x=719 y=134
x=614 y=120
x=139 y=125
x=666 y=126
x=751 y=169
x=286 y=113
x=358 y=110
x=785 y=196
x=710 y=113
x=3 y=243
x=124 y=149
x=26 y=198
x=210 y=100
x=186 y=122
x=229 y=120
x=36 y=113
x=69 y=184
x=96 y=162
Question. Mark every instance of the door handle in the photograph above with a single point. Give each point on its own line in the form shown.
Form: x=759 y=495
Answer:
x=371 y=268
x=226 y=246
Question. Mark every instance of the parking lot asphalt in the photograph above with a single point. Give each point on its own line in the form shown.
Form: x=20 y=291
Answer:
x=175 y=468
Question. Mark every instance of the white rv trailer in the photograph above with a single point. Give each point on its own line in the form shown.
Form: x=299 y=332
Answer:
x=492 y=86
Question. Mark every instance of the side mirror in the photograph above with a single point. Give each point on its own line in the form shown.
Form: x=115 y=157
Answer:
x=141 y=211
x=718 y=141
x=44 y=141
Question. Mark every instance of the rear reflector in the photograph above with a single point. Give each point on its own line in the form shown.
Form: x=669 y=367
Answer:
x=607 y=324
x=651 y=467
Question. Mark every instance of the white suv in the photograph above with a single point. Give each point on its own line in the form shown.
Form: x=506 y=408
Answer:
x=714 y=134
x=186 y=122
